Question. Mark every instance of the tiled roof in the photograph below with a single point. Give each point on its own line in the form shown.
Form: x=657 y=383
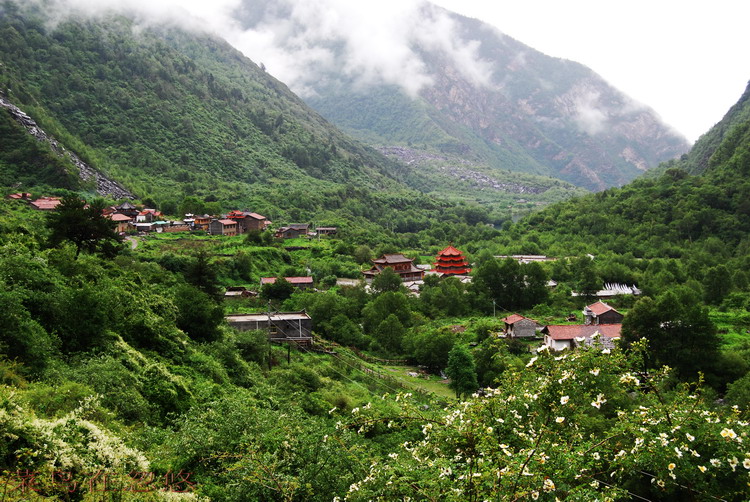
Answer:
x=392 y=258
x=120 y=217
x=569 y=332
x=599 y=308
x=513 y=318
x=256 y=216
x=450 y=251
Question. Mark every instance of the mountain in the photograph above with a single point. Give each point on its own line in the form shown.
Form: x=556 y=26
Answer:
x=703 y=218
x=468 y=90
x=171 y=113
x=713 y=147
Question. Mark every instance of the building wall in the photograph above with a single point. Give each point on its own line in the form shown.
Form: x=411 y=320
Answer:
x=557 y=344
x=523 y=328
x=610 y=317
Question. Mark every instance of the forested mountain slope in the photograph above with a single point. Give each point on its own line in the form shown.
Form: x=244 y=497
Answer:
x=669 y=216
x=732 y=129
x=171 y=113
x=473 y=92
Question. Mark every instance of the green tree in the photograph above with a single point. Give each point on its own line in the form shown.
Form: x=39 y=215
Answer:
x=431 y=347
x=717 y=283
x=387 y=280
x=461 y=370
x=279 y=290
x=197 y=314
x=83 y=225
x=390 y=333
x=678 y=329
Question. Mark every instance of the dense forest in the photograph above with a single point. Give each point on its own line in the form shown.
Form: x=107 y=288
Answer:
x=120 y=378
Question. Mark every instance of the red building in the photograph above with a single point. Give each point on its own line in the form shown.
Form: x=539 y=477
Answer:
x=451 y=261
x=399 y=263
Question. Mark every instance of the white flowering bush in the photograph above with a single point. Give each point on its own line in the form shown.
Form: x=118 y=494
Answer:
x=70 y=444
x=579 y=426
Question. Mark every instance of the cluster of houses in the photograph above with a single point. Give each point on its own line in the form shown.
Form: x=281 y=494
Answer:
x=128 y=217
x=602 y=325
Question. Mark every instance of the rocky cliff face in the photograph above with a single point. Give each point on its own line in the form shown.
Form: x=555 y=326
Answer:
x=104 y=185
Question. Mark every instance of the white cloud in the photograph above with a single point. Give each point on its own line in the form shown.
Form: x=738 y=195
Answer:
x=299 y=41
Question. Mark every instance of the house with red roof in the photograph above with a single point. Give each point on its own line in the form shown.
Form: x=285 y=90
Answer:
x=46 y=203
x=123 y=221
x=601 y=313
x=560 y=337
x=247 y=221
x=518 y=326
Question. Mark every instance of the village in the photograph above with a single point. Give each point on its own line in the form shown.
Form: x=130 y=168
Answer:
x=601 y=324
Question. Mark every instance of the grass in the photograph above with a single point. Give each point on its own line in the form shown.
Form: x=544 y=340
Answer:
x=427 y=382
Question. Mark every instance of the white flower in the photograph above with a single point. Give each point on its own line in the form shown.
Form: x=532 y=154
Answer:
x=733 y=463
x=606 y=351
x=702 y=468
x=715 y=462
x=535 y=494
x=564 y=399
x=728 y=433
x=690 y=438
x=355 y=411
x=599 y=401
x=627 y=378
x=560 y=420
x=746 y=463
x=531 y=362
x=660 y=483
x=671 y=467
x=594 y=372
x=549 y=485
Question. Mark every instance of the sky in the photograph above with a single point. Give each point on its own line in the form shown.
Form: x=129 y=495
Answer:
x=686 y=59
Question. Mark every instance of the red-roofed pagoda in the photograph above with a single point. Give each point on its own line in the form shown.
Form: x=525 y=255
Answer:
x=451 y=261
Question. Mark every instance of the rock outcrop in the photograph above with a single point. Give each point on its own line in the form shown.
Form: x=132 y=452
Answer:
x=104 y=185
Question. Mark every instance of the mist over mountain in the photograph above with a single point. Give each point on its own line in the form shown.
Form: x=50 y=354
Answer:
x=422 y=76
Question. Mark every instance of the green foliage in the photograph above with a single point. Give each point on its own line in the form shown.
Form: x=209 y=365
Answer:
x=197 y=314
x=461 y=370
x=678 y=330
x=431 y=347
x=84 y=225
x=581 y=426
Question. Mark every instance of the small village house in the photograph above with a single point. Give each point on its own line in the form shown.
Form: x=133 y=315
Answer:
x=399 y=263
x=123 y=222
x=328 y=231
x=223 y=227
x=201 y=222
x=295 y=327
x=518 y=326
x=46 y=203
x=293 y=231
x=148 y=216
x=601 y=313
x=247 y=221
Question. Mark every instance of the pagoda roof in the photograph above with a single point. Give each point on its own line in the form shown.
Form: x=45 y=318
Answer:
x=450 y=251
x=388 y=259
